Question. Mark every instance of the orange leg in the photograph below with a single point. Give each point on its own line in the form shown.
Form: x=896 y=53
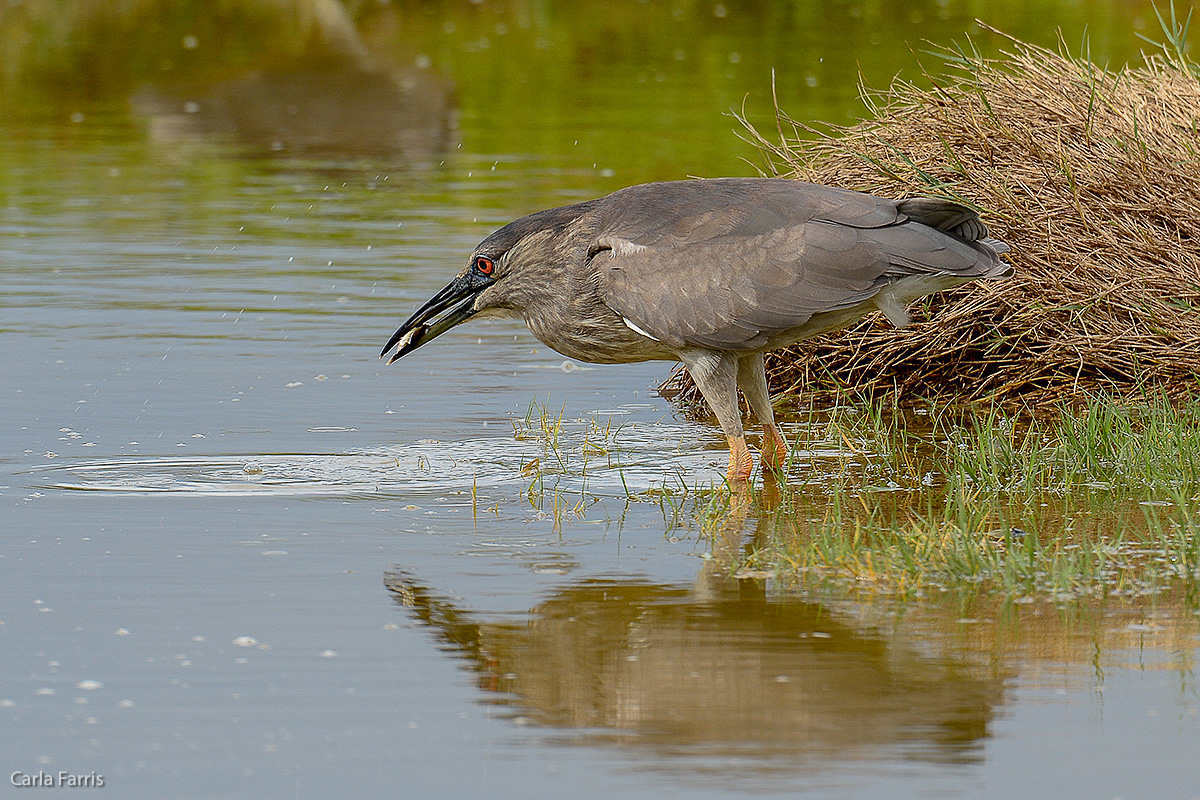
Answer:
x=774 y=448
x=741 y=463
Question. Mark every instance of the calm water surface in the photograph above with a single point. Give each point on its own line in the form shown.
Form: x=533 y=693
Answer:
x=242 y=558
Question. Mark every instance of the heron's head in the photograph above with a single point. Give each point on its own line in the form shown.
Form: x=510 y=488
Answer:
x=503 y=272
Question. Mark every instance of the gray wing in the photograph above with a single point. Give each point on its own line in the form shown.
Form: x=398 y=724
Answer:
x=728 y=264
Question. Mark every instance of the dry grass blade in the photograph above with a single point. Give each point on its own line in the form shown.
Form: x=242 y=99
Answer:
x=1093 y=178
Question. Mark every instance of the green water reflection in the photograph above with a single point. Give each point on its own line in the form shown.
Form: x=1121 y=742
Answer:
x=625 y=91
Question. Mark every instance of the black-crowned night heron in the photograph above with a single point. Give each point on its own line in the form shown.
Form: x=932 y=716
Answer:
x=712 y=273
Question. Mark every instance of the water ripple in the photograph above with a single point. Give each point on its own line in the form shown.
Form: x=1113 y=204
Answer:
x=646 y=457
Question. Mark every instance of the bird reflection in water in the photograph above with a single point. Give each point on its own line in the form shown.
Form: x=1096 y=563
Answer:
x=721 y=666
x=336 y=100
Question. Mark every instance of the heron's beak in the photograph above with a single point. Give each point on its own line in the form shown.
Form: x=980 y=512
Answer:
x=416 y=330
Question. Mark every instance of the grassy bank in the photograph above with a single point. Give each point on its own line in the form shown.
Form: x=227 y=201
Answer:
x=1089 y=173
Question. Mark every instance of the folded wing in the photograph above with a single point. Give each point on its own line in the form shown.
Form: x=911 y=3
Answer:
x=735 y=265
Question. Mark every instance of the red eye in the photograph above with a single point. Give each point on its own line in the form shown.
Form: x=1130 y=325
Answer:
x=485 y=265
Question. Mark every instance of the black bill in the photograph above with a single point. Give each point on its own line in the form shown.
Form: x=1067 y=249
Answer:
x=421 y=327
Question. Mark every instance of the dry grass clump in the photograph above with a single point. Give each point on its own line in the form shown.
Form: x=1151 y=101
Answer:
x=1093 y=178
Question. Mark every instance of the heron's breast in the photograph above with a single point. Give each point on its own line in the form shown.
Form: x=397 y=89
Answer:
x=598 y=335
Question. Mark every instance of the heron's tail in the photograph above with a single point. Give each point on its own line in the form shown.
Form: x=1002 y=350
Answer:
x=960 y=222
x=952 y=218
x=1000 y=269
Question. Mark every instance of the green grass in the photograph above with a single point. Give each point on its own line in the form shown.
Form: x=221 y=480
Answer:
x=1101 y=501
x=566 y=456
x=1096 y=501
x=563 y=449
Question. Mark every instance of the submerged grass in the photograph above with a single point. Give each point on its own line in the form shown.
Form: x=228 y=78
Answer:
x=564 y=448
x=569 y=455
x=1095 y=501
x=1098 y=501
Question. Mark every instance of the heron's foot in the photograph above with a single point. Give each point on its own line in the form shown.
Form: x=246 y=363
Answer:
x=741 y=463
x=774 y=449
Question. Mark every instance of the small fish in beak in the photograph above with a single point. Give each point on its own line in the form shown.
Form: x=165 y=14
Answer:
x=418 y=329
